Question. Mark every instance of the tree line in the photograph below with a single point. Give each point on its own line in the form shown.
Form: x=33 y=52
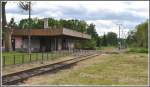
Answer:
x=139 y=36
x=73 y=24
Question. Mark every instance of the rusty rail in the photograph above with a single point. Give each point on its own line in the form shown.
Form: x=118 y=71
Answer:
x=14 y=78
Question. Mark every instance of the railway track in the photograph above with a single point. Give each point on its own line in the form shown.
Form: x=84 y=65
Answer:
x=15 y=78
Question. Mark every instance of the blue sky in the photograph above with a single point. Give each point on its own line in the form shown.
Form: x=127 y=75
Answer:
x=104 y=14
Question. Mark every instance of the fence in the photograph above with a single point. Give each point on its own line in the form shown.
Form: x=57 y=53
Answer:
x=22 y=58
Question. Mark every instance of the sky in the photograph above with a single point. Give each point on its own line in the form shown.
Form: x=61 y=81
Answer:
x=104 y=14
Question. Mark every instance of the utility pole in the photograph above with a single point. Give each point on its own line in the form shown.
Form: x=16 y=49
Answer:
x=29 y=30
x=119 y=38
x=124 y=37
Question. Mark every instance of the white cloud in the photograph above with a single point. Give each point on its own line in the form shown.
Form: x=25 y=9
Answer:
x=104 y=14
x=105 y=26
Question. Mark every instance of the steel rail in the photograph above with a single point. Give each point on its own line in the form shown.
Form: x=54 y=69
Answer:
x=14 y=78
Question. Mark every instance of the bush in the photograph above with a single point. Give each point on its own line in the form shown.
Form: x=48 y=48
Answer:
x=87 y=45
x=90 y=44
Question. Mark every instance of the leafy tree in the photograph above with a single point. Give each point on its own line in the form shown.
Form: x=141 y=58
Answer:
x=82 y=26
x=23 y=24
x=99 y=42
x=92 y=31
x=104 y=40
x=111 y=39
x=35 y=23
x=142 y=34
x=74 y=24
x=131 y=39
x=52 y=22
x=139 y=37
x=89 y=44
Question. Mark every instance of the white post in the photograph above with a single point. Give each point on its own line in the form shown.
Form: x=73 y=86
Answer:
x=46 y=23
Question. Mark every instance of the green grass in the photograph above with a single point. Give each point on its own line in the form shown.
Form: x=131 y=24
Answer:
x=115 y=69
x=108 y=48
x=138 y=50
x=21 y=58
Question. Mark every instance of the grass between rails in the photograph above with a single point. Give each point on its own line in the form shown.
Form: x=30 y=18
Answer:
x=115 y=69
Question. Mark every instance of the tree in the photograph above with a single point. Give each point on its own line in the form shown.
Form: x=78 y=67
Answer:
x=92 y=31
x=23 y=24
x=142 y=34
x=139 y=36
x=99 y=42
x=35 y=23
x=131 y=39
x=12 y=23
x=111 y=39
x=89 y=44
x=104 y=40
x=4 y=22
x=54 y=23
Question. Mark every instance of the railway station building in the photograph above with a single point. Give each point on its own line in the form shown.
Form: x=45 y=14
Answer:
x=46 y=39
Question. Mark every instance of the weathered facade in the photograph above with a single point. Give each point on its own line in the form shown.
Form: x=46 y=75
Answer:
x=46 y=39
x=43 y=39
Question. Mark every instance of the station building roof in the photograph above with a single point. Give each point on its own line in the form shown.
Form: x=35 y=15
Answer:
x=50 y=32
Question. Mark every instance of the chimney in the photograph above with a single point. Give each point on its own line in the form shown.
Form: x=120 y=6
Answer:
x=46 y=23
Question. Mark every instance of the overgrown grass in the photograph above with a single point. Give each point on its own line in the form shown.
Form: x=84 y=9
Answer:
x=20 y=58
x=116 y=69
x=107 y=48
x=130 y=49
x=138 y=50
